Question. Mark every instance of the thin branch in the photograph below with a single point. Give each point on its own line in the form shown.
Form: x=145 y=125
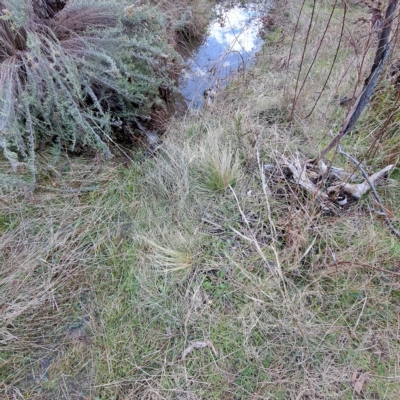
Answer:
x=318 y=49
x=333 y=62
x=302 y=60
x=291 y=45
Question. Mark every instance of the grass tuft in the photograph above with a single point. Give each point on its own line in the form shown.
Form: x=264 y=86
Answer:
x=171 y=259
x=220 y=170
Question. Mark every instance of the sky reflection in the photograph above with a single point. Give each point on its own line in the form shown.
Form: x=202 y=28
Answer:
x=239 y=30
x=231 y=43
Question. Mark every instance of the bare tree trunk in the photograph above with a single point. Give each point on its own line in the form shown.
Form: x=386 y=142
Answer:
x=381 y=55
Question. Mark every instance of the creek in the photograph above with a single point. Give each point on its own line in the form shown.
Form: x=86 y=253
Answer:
x=228 y=48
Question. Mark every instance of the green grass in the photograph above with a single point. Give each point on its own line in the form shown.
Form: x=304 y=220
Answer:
x=110 y=272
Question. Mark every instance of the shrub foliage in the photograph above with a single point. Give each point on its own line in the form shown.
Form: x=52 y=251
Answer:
x=73 y=71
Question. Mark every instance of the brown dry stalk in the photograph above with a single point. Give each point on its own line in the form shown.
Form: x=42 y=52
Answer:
x=318 y=49
x=302 y=60
x=292 y=44
x=334 y=58
x=356 y=264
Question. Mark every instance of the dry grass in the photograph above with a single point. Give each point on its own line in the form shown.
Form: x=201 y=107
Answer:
x=103 y=288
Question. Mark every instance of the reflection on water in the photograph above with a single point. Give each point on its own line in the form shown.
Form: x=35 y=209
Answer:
x=231 y=43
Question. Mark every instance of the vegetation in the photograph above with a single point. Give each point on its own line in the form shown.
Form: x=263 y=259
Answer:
x=205 y=271
x=76 y=72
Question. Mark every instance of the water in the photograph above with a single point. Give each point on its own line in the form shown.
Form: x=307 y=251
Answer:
x=229 y=47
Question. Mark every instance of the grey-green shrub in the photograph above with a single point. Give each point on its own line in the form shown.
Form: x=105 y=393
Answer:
x=75 y=70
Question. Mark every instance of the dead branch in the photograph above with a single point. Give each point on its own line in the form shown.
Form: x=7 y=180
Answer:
x=300 y=176
x=370 y=182
x=358 y=190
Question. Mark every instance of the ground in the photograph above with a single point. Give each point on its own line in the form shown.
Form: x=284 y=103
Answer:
x=203 y=271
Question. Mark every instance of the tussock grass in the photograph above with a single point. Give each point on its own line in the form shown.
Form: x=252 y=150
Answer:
x=220 y=170
x=109 y=273
x=169 y=258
